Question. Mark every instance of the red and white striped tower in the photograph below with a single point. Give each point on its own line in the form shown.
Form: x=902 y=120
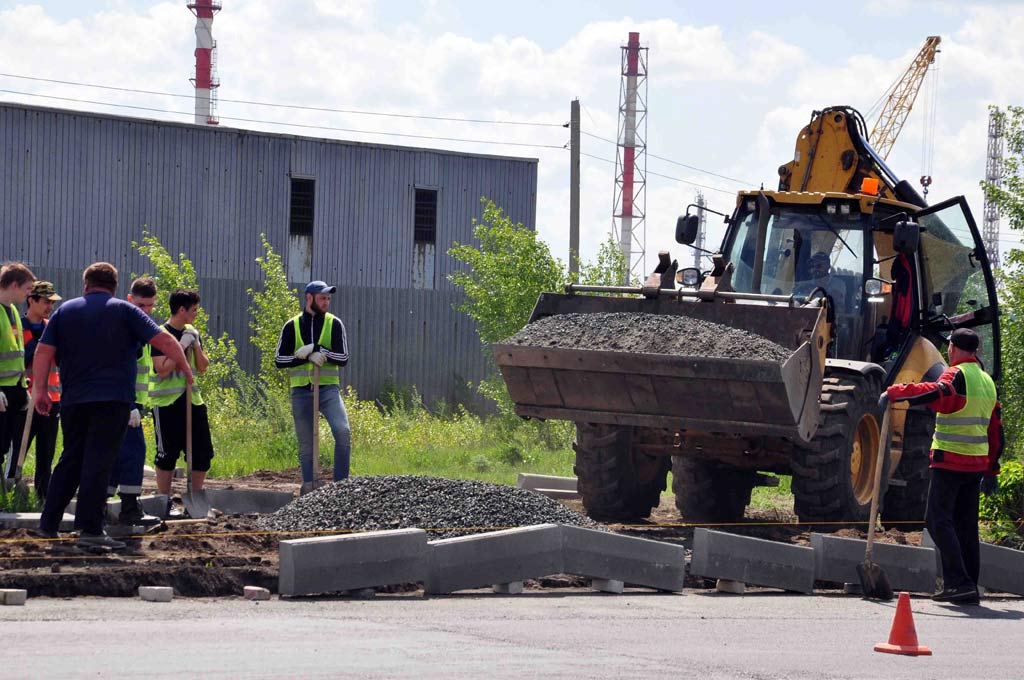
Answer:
x=631 y=157
x=205 y=80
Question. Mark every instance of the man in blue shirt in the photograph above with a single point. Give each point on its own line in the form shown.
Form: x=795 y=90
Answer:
x=95 y=340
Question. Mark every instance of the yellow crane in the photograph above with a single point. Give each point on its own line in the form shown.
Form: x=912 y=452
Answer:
x=899 y=99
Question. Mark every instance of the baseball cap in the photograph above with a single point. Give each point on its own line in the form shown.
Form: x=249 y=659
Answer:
x=319 y=287
x=965 y=339
x=45 y=290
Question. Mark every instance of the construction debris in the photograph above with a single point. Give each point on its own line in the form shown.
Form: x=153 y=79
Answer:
x=648 y=334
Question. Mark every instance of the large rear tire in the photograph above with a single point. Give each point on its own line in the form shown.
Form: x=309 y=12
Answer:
x=833 y=475
x=710 y=493
x=905 y=505
x=617 y=481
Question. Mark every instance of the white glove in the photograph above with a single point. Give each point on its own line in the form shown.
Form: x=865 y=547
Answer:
x=304 y=351
x=187 y=340
x=3 y=402
x=134 y=418
x=318 y=358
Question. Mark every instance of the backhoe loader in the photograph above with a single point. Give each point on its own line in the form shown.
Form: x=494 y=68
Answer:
x=847 y=268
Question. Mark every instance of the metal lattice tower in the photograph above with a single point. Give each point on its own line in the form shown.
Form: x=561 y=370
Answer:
x=994 y=176
x=697 y=254
x=630 y=201
x=899 y=99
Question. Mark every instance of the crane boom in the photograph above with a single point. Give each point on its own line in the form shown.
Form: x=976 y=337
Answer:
x=899 y=99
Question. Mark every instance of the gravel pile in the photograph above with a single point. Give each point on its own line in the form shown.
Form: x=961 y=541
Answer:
x=444 y=506
x=648 y=334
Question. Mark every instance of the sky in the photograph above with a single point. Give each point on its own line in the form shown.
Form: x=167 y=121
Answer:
x=729 y=84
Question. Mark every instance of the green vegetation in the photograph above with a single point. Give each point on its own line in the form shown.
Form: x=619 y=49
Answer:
x=1005 y=510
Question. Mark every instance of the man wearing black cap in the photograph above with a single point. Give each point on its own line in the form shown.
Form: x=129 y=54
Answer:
x=965 y=453
x=316 y=338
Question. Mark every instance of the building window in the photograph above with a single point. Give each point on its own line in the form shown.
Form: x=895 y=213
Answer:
x=424 y=235
x=300 y=229
x=425 y=223
x=300 y=222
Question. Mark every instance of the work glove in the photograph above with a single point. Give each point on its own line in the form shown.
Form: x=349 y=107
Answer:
x=3 y=402
x=134 y=418
x=304 y=352
x=188 y=338
x=990 y=485
x=318 y=358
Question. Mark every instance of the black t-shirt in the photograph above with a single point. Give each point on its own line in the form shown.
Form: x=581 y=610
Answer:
x=173 y=331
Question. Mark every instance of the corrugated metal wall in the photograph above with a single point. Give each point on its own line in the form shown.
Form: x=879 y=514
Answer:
x=78 y=187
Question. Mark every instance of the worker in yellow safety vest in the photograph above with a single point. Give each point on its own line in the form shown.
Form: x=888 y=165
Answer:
x=16 y=282
x=316 y=338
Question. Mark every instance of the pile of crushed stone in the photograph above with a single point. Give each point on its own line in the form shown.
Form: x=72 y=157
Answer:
x=444 y=507
x=648 y=334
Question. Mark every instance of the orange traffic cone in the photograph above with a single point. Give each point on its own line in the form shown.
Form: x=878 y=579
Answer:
x=903 y=636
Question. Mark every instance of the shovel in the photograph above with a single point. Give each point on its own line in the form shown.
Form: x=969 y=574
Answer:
x=316 y=427
x=20 y=487
x=873 y=580
x=196 y=502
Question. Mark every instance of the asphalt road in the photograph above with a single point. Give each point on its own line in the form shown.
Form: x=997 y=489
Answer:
x=554 y=634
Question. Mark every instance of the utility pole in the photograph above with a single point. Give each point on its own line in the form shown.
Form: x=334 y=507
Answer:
x=701 y=230
x=574 y=191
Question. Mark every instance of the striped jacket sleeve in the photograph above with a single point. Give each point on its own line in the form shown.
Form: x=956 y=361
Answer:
x=338 y=352
x=285 y=354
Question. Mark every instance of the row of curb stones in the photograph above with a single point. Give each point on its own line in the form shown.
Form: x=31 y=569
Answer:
x=499 y=559
x=755 y=561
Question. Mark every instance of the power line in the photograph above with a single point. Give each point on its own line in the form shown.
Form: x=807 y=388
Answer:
x=299 y=107
x=669 y=160
x=297 y=125
x=658 y=174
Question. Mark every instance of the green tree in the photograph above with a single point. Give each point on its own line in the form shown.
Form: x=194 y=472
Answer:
x=608 y=268
x=171 y=274
x=1008 y=196
x=270 y=308
x=505 y=273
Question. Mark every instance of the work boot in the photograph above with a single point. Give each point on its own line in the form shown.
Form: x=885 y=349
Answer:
x=307 y=487
x=132 y=513
x=102 y=541
x=965 y=594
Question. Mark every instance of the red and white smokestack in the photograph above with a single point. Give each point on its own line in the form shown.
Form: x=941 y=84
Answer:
x=629 y=142
x=205 y=80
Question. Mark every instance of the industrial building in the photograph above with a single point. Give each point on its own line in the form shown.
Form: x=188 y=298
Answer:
x=375 y=220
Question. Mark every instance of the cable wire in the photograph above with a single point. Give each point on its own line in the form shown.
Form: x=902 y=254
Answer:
x=657 y=174
x=299 y=107
x=673 y=162
x=296 y=125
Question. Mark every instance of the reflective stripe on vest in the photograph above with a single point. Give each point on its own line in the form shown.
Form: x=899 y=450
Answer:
x=12 y=350
x=164 y=391
x=966 y=431
x=302 y=375
x=143 y=375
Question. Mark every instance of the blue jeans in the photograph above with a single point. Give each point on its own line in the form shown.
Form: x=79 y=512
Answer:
x=332 y=406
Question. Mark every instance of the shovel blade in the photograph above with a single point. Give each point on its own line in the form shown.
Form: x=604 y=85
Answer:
x=874 y=581
x=197 y=504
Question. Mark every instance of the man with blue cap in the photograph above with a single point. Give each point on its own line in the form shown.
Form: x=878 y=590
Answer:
x=316 y=338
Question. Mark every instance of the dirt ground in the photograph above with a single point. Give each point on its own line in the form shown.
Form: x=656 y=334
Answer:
x=217 y=557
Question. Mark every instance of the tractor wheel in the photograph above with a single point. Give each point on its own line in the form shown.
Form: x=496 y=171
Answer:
x=708 y=492
x=904 y=505
x=833 y=475
x=618 y=483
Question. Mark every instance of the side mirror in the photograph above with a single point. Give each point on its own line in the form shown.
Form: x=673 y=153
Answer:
x=687 y=227
x=906 y=237
x=689 y=277
x=876 y=288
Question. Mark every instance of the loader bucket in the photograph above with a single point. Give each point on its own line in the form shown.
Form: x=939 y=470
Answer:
x=708 y=394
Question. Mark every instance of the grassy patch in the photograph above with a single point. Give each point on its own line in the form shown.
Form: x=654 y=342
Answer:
x=774 y=497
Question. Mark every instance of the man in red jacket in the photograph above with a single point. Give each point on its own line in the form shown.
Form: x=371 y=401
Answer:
x=965 y=451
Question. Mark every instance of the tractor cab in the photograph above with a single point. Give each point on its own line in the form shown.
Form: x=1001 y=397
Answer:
x=889 y=270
